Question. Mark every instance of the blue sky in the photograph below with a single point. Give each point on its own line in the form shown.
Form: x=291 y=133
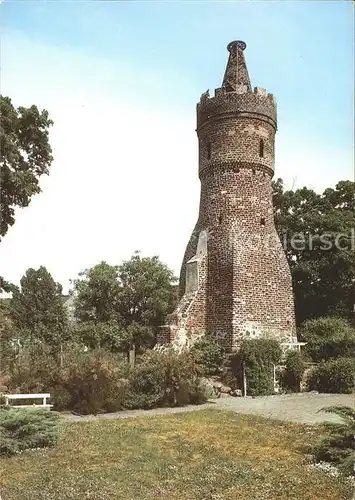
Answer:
x=121 y=81
x=300 y=50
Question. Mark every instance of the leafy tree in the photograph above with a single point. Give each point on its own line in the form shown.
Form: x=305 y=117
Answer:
x=126 y=303
x=8 y=335
x=26 y=155
x=5 y=286
x=147 y=292
x=139 y=336
x=323 y=263
x=111 y=335
x=37 y=308
x=97 y=294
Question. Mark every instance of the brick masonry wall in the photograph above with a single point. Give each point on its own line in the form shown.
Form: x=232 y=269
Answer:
x=245 y=286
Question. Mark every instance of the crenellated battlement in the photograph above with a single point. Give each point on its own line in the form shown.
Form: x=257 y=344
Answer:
x=241 y=89
x=240 y=102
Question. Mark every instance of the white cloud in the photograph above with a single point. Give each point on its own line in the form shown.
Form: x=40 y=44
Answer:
x=125 y=171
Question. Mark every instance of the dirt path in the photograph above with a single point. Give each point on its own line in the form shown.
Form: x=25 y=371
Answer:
x=302 y=408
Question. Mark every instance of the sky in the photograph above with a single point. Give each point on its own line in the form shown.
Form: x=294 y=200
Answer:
x=121 y=81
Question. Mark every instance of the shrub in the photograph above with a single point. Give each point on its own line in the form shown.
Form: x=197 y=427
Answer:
x=33 y=369
x=210 y=355
x=165 y=378
x=26 y=429
x=99 y=381
x=259 y=356
x=333 y=376
x=91 y=382
x=147 y=384
x=328 y=338
x=88 y=382
x=292 y=376
x=337 y=446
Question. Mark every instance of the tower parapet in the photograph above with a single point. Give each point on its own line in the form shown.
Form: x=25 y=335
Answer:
x=238 y=103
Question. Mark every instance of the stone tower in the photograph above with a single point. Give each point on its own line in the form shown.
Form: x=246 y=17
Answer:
x=235 y=281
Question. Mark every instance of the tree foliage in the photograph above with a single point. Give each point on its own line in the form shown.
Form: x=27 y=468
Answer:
x=259 y=356
x=125 y=303
x=210 y=354
x=97 y=292
x=26 y=155
x=323 y=268
x=294 y=370
x=8 y=349
x=327 y=338
x=147 y=292
x=112 y=335
x=336 y=376
x=37 y=308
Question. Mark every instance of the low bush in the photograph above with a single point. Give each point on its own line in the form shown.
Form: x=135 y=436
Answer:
x=333 y=376
x=27 y=429
x=337 y=445
x=87 y=382
x=98 y=381
x=210 y=355
x=33 y=370
x=294 y=369
x=146 y=384
x=259 y=357
x=165 y=378
x=91 y=382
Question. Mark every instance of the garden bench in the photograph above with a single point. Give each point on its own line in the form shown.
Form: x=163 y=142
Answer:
x=44 y=397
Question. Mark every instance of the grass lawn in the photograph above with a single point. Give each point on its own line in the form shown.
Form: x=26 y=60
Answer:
x=201 y=455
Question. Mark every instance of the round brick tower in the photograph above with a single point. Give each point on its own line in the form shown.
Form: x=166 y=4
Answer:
x=235 y=281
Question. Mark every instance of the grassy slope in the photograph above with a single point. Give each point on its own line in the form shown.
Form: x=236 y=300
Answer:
x=200 y=455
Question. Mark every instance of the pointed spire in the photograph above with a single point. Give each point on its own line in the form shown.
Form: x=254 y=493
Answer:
x=236 y=77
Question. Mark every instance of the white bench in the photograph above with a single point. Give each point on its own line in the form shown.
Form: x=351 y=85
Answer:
x=44 y=397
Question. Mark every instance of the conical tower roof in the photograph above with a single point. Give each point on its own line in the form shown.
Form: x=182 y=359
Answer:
x=236 y=76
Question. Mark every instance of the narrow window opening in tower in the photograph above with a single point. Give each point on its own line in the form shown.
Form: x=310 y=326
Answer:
x=208 y=151
x=262 y=221
x=261 y=148
x=254 y=171
x=220 y=219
